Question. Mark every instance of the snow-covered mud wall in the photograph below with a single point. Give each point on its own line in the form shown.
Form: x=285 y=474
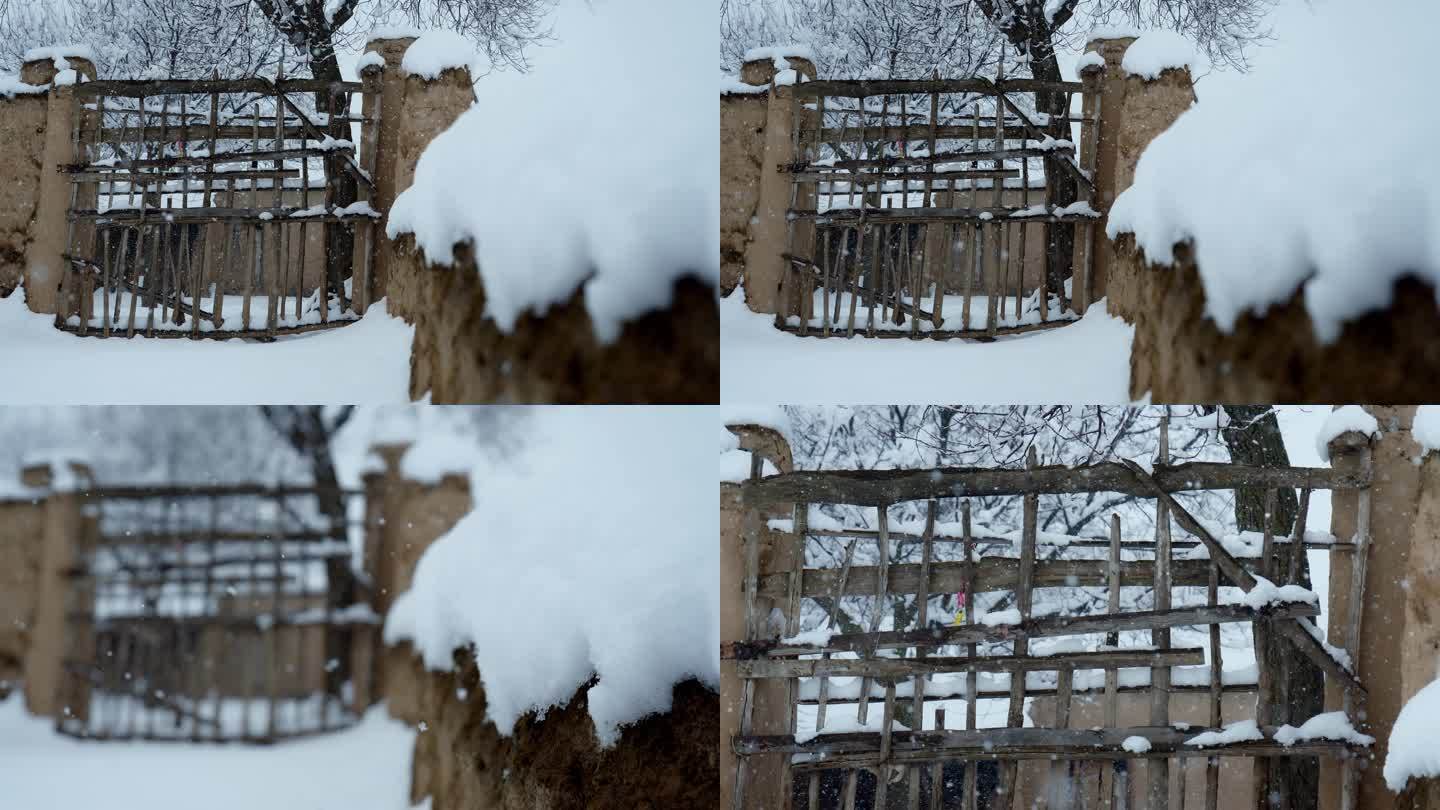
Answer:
x=30 y=123
x=552 y=237
x=1267 y=254
x=22 y=517
x=556 y=647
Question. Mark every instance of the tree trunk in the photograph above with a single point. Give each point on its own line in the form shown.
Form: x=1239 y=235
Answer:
x=1060 y=188
x=1253 y=437
x=339 y=237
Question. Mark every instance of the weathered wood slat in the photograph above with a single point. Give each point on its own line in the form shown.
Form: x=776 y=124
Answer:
x=1026 y=743
x=873 y=487
x=997 y=574
x=882 y=87
x=1033 y=628
x=1021 y=662
x=139 y=88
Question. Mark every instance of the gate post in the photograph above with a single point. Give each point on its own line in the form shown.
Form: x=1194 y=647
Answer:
x=379 y=146
x=61 y=528
x=45 y=264
x=764 y=266
x=1387 y=626
x=403 y=516
x=764 y=776
x=1132 y=111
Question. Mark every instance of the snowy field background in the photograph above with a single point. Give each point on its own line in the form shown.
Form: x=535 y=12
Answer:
x=1084 y=362
x=363 y=768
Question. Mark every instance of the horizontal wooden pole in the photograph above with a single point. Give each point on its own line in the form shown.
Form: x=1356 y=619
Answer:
x=899 y=668
x=994 y=574
x=194 y=133
x=206 y=160
x=900 y=87
x=883 y=487
x=957 y=156
x=978 y=335
x=1025 y=743
x=1030 y=628
x=900 y=178
x=881 y=216
x=1097 y=689
x=154 y=88
x=254 y=216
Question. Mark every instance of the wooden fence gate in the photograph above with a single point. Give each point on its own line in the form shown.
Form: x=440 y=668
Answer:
x=927 y=208
x=855 y=716
x=209 y=615
x=216 y=208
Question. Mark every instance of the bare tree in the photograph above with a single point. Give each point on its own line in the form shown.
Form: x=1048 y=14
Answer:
x=310 y=430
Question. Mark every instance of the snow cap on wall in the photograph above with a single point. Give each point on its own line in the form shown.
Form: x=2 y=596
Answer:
x=1158 y=51
x=590 y=552
x=59 y=54
x=1342 y=420
x=577 y=191
x=438 y=51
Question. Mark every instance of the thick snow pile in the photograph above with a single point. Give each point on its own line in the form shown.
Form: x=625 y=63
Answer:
x=11 y=86
x=1157 y=51
x=58 y=55
x=1426 y=428
x=591 y=551
x=1136 y=744
x=1293 y=200
x=604 y=175
x=1342 y=420
x=1266 y=593
x=1413 y=752
x=768 y=416
x=1241 y=731
x=1327 y=726
x=438 y=51
x=437 y=455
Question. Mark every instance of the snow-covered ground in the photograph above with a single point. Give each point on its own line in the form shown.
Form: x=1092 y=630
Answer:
x=364 y=362
x=1084 y=362
x=363 y=768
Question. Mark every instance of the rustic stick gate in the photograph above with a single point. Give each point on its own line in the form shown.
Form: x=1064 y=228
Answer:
x=204 y=614
x=895 y=665
x=205 y=208
x=923 y=206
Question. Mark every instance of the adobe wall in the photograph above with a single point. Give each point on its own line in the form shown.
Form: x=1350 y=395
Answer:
x=460 y=355
x=403 y=517
x=22 y=524
x=1399 y=634
x=1180 y=355
x=22 y=130
x=555 y=762
x=550 y=762
x=35 y=128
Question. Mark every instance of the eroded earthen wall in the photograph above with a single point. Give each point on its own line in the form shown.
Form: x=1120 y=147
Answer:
x=22 y=526
x=555 y=762
x=460 y=355
x=22 y=130
x=1180 y=355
